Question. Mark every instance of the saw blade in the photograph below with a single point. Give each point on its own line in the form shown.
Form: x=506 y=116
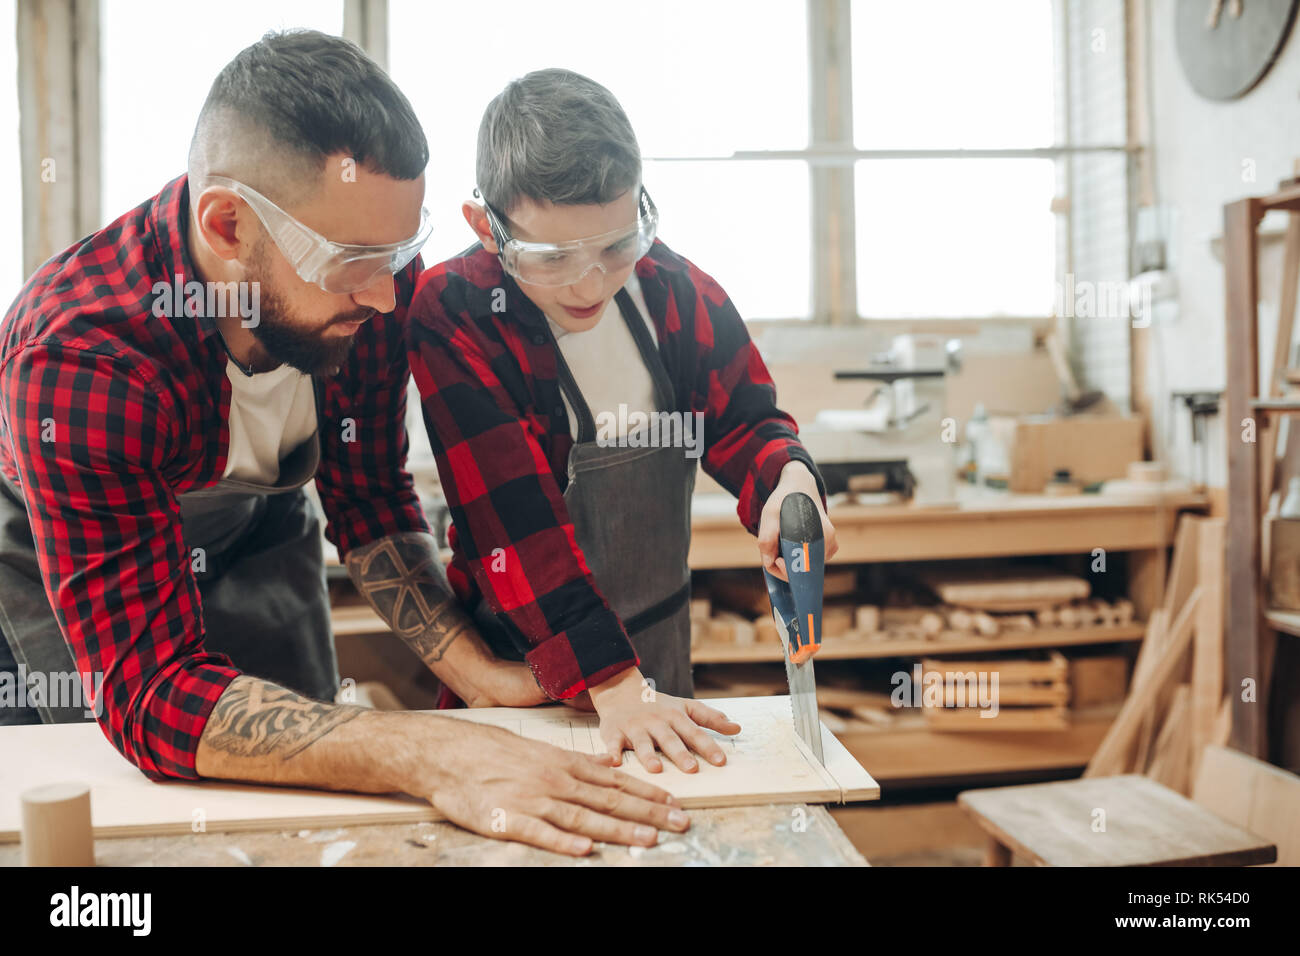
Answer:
x=803 y=703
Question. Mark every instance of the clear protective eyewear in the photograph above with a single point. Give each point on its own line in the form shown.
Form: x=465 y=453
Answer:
x=557 y=264
x=336 y=267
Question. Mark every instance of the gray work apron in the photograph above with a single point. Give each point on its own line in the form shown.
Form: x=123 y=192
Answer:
x=631 y=513
x=258 y=561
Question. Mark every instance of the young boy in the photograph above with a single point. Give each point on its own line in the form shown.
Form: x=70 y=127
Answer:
x=570 y=538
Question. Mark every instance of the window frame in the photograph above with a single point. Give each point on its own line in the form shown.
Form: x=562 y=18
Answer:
x=69 y=89
x=832 y=155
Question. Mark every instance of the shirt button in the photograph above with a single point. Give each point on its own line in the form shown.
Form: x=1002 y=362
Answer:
x=539 y=339
x=559 y=411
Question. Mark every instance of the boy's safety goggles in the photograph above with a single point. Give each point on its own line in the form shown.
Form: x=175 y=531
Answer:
x=335 y=267
x=566 y=263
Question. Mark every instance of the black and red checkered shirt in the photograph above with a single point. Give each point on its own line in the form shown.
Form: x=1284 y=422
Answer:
x=109 y=412
x=490 y=389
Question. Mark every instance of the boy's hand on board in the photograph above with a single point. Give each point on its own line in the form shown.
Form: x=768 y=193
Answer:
x=634 y=717
x=795 y=476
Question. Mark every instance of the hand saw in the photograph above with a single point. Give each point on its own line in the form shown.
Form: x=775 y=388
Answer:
x=797 y=609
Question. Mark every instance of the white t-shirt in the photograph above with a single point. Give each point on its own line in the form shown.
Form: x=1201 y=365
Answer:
x=607 y=365
x=271 y=414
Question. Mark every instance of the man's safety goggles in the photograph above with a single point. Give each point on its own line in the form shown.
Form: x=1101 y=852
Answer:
x=566 y=263
x=337 y=268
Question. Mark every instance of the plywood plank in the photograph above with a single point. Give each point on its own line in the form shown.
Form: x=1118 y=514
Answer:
x=1113 y=755
x=1172 y=763
x=766 y=763
x=1207 y=648
x=1182 y=569
x=1005 y=587
x=1241 y=378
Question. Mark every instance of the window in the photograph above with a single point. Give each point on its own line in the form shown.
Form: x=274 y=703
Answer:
x=941 y=235
x=955 y=237
x=157 y=69
x=931 y=195
x=951 y=74
x=12 y=273
x=698 y=81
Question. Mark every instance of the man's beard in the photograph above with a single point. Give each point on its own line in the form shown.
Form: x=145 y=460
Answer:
x=284 y=339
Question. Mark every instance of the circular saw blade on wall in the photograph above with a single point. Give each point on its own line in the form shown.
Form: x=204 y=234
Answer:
x=1226 y=46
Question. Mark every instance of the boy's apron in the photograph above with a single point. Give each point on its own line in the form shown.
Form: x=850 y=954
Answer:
x=260 y=573
x=631 y=513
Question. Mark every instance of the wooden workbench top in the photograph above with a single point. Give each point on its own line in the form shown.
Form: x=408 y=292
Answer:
x=979 y=523
x=770 y=835
x=970 y=503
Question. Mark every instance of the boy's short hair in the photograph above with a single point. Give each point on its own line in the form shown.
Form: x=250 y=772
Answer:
x=555 y=136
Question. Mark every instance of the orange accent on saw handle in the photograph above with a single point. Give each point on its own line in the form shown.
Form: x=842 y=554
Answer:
x=806 y=651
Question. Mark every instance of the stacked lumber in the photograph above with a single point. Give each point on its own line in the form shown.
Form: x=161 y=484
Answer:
x=1176 y=705
x=1021 y=694
x=1003 y=586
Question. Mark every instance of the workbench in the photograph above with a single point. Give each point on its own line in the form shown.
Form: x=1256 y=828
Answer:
x=771 y=835
x=979 y=523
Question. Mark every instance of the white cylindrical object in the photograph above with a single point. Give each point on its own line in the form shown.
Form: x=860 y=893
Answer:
x=56 y=826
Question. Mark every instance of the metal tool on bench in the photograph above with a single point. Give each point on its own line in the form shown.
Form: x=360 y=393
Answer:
x=797 y=608
x=892 y=437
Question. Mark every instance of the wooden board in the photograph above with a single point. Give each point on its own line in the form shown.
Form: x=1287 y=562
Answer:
x=1059 y=824
x=766 y=763
x=1113 y=756
x=1171 y=764
x=1182 y=570
x=1207 y=647
x=1001 y=587
x=1284 y=563
x=1252 y=794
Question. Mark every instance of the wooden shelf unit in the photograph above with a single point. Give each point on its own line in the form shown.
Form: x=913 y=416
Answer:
x=864 y=647
x=1251 y=628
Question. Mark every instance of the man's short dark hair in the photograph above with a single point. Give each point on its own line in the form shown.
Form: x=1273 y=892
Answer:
x=555 y=136
x=295 y=98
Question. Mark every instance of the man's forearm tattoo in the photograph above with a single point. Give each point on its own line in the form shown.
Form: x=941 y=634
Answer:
x=402 y=578
x=255 y=718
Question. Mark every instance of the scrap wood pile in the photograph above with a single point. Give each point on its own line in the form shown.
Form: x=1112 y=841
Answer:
x=1176 y=703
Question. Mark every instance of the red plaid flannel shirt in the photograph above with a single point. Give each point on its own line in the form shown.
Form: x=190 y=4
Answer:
x=490 y=392
x=137 y=409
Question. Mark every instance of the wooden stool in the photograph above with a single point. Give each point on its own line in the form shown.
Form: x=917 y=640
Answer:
x=1130 y=820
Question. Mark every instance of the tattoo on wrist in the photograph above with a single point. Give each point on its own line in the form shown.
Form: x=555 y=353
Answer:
x=255 y=718
x=402 y=578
